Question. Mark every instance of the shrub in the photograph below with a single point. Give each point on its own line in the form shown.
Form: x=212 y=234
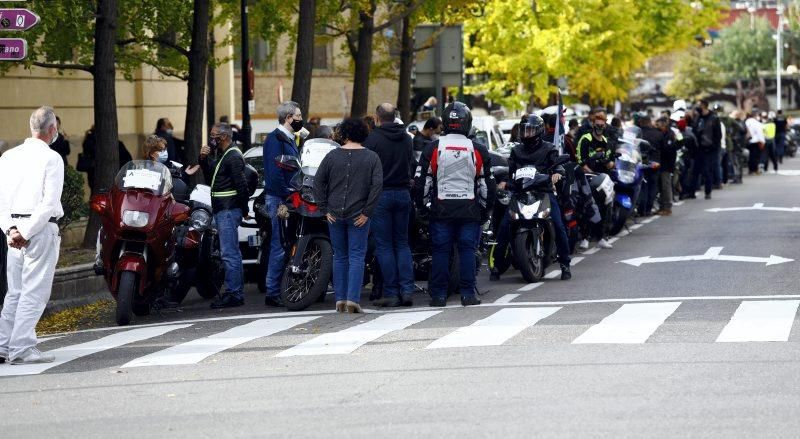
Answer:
x=72 y=198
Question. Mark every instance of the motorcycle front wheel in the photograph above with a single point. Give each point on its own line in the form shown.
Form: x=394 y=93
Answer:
x=125 y=296
x=528 y=261
x=300 y=290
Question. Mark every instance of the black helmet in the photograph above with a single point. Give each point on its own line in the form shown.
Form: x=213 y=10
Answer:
x=457 y=119
x=531 y=129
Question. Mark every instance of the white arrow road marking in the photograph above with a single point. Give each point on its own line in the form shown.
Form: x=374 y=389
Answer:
x=789 y=172
x=761 y=320
x=713 y=254
x=631 y=323
x=757 y=206
x=495 y=329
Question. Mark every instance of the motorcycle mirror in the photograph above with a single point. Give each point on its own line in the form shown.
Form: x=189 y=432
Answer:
x=180 y=213
x=99 y=203
x=287 y=163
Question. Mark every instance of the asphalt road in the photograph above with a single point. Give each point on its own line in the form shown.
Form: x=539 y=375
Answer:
x=692 y=348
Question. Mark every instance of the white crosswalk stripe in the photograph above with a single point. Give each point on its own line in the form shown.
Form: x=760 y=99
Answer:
x=350 y=339
x=631 y=323
x=198 y=350
x=495 y=329
x=761 y=320
x=71 y=353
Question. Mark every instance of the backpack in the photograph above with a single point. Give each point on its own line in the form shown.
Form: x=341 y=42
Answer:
x=456 y=167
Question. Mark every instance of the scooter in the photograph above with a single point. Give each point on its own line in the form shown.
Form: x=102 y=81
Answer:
x=198 y=260
x=138 y=217
x=627 y=179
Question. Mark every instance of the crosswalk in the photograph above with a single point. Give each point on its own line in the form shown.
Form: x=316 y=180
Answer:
x=627 y=323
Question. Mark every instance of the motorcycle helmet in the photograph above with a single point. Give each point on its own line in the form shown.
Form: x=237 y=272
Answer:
x=251 y=175
x=457 y=119
x=531 y=130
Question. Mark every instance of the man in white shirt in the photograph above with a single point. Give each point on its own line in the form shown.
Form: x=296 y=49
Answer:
x=756 y=142
x=31 y=181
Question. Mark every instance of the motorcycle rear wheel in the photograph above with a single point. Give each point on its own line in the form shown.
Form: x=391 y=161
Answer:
x=529 y=264
x=301 y=290
x=125 y=296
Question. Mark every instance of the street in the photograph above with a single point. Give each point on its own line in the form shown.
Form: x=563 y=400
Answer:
x=694 y=341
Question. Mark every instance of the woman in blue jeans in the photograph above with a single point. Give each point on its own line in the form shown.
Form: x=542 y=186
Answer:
x=347 y=186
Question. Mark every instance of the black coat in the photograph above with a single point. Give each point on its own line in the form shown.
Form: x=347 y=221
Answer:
x=395 y=149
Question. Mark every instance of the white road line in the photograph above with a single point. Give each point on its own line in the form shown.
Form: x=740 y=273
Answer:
x=350 y=339
x=678 y=203
x=637 y=226
x=761 y=320
x=495 y=329
x=70 y=353
x=591 y=251
x=507 y=298
x=44 y=339
x=623 y=233
x=531 y=287
x=198 y=350
x=651 y=219
x=556 y=273
x=632 y=323
x=613 y=240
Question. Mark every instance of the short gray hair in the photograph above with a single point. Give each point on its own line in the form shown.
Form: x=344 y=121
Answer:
x=225 y=129
x=286 y=109
x=42 y=119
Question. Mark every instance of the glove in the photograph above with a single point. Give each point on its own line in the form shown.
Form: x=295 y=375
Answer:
x=283 y=212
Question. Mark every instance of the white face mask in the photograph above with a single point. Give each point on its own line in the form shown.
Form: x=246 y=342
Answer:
x=163 y=156
x=303 y=133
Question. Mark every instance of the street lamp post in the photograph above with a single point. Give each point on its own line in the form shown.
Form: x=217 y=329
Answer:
x=246 y=127
x=778 y=53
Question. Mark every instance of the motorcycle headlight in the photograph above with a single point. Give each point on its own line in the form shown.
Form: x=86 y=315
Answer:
x=134 y=218
x=200 y=219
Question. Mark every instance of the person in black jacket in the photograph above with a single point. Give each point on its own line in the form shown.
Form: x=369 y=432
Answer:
x=670 y=144
x=461 y=190
x=390 y=220
x=651 y=174
x=708 y=132
x=61 y=145
x=534 y=152
x=229 y=197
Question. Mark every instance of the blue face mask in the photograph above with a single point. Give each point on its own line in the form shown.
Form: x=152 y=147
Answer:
x=163 y=156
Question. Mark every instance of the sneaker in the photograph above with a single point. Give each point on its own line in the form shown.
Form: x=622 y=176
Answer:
x=34 y=356
x=227 y=301
x=438 y=302
x=352 y=307
x=388 y=302
x=664 y=212
x=565 y=273
x=708 y=196
x=340 y=306
x=603 y=243
x=470 y=301
x=407 y=299
x=584 y=245
x=275 y=301
x=494 y=276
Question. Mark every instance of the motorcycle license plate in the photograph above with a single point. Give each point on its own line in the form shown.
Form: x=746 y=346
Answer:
x=526 y=172
x=254 y=241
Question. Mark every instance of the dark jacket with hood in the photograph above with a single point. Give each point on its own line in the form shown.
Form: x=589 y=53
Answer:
x=277 y=182
x=395 y=149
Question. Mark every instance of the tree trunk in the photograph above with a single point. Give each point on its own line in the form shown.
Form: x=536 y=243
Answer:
x=363 y=62
x=406 y=65
x=198 y=66
x=304 y=55
x=739 y=94
x=105 y=108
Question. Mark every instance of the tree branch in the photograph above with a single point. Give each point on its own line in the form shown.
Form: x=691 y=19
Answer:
x=166 y=43
x=396 y=19
x=129 y=41
x=47 y=65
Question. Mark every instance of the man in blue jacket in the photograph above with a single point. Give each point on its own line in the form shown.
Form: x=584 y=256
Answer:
x=277 y=184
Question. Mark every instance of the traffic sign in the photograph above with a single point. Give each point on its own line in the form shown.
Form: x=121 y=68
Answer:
x=13 y=49
x=17 y=19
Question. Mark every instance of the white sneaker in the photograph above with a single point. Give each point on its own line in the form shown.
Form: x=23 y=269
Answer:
x=584 y=244
x=34 y=356
x=604 y=244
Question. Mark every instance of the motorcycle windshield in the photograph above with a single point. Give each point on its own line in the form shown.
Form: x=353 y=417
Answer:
x=314 y=151
x=144 y=175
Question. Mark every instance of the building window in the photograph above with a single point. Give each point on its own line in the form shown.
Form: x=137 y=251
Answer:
x=321 y=57
x=260 y=52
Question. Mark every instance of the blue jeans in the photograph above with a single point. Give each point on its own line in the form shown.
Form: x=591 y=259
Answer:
x=277 y=254
x=228 y=228
x=349 y=250
x=390 y=231
x=465 y=234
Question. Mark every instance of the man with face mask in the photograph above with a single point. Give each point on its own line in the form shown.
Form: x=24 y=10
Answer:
x=229 y=197
x=277 y=188
x=595 y=156
x=535 y=152
x=31 y=181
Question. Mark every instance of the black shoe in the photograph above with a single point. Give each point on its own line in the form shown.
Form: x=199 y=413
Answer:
x=469 y=301
x=494 y=276
x=438 y=302
x=388 y=302
x=708 y=196
x=275 y=301
x=565 y=273
x=406 y=299
x=227 y=301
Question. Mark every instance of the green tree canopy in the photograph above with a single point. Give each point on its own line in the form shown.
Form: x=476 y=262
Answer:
x=695 y=75
x=742 y=51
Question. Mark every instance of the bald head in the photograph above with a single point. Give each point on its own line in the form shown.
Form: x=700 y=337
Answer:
x=385 y=113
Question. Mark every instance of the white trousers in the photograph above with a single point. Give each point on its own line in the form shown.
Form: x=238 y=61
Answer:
x=30 y=273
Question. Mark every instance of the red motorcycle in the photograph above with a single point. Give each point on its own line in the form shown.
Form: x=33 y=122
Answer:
x=138 y=217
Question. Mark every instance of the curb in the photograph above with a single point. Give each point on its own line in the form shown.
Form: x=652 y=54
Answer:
x=75 y=286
